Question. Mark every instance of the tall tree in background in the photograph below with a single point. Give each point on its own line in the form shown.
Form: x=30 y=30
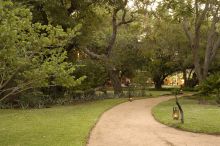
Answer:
x=200 y=20
x=209 y=15
x=88 y=14
x=166 y=45
x=117 y=9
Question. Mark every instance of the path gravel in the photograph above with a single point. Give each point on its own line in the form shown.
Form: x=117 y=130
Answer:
x=131 y=124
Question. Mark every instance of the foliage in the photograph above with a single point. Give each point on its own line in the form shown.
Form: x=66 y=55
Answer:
x=128 y=54
x=111 y=46
x=201 y=26
x=95 y=73
x=190 y=89
x=166 y=48
x=210 y=85
x=141 y=80
x=175 y=91
x=32 y=55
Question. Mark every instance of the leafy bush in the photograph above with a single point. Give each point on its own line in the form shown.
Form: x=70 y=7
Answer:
x=175 y=91
x=32 y=55
x=80 y=94
x=189 y=89
x=211 y=84
x=32 y=100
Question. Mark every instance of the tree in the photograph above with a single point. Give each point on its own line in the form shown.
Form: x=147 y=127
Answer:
x=161 y=65
x=89 y=14
x=32 y=55
x=96 y=75
x=165 y=45
x=199 y=17
x=127 y=55
x=115 y=8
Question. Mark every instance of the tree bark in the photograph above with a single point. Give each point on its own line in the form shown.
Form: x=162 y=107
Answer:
x=185 y=78
x=194 y=39
x=158 y=83
x=196 y=61
x=213 y=43
x=115 y=80
x=194 y=44
x=106 y=57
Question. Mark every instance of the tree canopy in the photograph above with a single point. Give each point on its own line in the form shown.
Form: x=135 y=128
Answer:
x=75 y=45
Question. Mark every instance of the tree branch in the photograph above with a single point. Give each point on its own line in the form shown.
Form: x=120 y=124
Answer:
x=93 y=55
x=200 y=18
x=115 y=25
x=7 y=95
x=2 y=79
x=123 y=21
x=212 y=43
x=215 y=48
x=187 y=31
x=114 y=32
x=12 y=76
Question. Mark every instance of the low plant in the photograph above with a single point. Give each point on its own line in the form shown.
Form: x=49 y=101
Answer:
x=211 y=86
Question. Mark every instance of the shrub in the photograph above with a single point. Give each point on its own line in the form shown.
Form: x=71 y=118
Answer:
x=211 y=85
x=191 y=89
x=80 y=94
x=33 y=99
x=175 y=91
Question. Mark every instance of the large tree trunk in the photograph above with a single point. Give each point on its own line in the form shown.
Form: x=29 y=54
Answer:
x=213 y=40
x=115 y=80
x=213 y=43
x=187 y=78
x=194 y=44
x=158 y=83
x=197 y=65
x=106 y=57
x=186 y=81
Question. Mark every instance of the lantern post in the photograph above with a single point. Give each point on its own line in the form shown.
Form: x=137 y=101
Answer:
x=180 y=109
x=129 y=92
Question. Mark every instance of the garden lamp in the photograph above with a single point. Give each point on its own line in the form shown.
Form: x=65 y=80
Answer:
x=175 y=113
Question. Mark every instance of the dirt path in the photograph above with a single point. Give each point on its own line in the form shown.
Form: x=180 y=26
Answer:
x=131 y=124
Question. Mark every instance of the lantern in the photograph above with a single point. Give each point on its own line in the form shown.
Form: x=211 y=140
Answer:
x=175 y=113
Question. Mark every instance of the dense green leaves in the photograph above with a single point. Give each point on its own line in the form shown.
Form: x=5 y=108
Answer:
x=166 y=48
x=212 y=83
x=32 y=54
x=42 y=40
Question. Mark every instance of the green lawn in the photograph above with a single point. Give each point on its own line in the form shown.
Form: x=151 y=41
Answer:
x=57 y=126
x=158 y=93
x=198 y=118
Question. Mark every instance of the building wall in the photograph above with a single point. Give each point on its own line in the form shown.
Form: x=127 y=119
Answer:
x=175 y=79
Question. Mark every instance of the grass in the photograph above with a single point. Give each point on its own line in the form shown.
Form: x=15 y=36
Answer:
x=57 y=126
x=198 y=118
x=158 y=93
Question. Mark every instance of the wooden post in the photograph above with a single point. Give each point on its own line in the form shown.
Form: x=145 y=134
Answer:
x=181 y=110
x=129 y=93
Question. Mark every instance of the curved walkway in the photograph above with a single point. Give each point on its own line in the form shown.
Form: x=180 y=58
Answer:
x=131 y=124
